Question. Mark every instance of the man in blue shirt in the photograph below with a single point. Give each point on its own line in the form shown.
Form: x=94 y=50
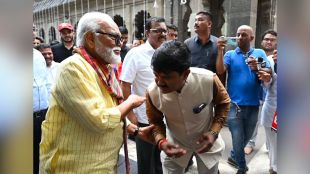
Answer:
x=243 y=88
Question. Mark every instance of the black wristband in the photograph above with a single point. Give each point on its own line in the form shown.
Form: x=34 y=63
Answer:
x=215 y=134
x=136 y=131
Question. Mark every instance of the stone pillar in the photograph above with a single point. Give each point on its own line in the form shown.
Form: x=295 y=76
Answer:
x=239 y=12
x=267 y=18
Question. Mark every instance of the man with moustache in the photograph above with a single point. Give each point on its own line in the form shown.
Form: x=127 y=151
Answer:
x=244 y=86
x=83 y=130
x=204 y=46
x=51 y=65
x=136 y=75
x=192 y=128
x=269 y=45
x=64 y=49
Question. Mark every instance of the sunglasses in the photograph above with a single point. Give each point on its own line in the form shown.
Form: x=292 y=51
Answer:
x=159 y=30
x=118 y=39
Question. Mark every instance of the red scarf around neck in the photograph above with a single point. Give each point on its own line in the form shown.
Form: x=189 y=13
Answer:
x=107 y=74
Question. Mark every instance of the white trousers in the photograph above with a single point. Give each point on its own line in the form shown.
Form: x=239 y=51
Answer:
x=170 y=167
x=272 y=144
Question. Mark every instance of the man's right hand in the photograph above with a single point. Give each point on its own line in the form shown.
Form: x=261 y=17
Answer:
x=135 y=100
x=221 y=43
x=172 y=150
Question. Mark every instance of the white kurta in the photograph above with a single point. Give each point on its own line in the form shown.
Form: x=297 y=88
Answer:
x=183 y=125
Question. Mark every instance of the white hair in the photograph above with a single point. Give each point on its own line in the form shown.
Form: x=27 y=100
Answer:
x=90 y=22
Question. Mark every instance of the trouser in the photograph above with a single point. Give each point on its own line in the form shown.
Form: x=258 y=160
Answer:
x=271 y=136
x=241 y=122
x=148 y=156
x=38 y=118
x=252 y=141
x=171 y=167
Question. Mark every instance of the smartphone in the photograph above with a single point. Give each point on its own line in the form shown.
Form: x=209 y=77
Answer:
x=232 y=41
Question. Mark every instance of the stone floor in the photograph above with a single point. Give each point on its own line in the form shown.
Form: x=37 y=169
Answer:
x=257 y=161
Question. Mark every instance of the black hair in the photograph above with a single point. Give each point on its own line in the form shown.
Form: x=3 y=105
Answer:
x=173 y=27
x=54 y=42
x=123 y=30
x=43 y=46
x=150 y=21
x=209 y=15
x=269 y=31
x=171 y=56
x=40 y=39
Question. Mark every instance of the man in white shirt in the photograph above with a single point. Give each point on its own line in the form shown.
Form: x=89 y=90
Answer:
x=41 y=90
x=136 y=76
x=51 y=65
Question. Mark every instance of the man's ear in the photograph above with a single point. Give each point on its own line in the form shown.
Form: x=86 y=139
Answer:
x=252 y=37
x=210 y=24
x=90 y=39
x=147 y=32
x=186 y=73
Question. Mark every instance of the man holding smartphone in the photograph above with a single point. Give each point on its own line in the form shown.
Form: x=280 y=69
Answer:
x=244 y=88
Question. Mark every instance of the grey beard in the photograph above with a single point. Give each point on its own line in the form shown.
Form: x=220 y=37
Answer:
x=106 y=54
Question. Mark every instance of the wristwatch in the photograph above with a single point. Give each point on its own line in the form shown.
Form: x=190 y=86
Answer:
x=135 y=133
x=215 y=134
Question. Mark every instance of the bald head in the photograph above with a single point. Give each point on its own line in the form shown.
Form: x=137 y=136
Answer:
x=245 y=37
x=247 y=28
x=92 y=21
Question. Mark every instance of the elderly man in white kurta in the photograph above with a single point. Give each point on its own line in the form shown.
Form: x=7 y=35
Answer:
x=185 y=97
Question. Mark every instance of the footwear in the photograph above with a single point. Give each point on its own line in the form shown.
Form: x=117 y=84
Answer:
x=248 y=150
x=233 y=163
x=272 y=171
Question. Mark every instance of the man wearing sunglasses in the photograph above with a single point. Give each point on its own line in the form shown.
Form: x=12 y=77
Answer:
x=136 y=75
x=83 y=130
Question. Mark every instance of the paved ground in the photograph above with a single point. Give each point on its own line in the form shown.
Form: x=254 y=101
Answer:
x=257 y=161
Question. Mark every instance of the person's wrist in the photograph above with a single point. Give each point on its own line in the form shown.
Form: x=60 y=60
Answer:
x=161 y=142
x=214 y=134
x=136 y=131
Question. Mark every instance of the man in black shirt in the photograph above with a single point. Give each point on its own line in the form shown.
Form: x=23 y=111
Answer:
x=124 y=47
x=64 y=49
x=204 y=46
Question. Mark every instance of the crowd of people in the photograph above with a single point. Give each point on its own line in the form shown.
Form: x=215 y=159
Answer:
x=93 y=89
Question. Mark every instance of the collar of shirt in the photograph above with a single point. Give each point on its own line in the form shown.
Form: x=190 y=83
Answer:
x=238 y=51
x=211 y=39
x=148 y=47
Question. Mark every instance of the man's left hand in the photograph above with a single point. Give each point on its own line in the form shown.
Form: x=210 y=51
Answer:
x=206 y=140
x=145 y=133
x=264 y=76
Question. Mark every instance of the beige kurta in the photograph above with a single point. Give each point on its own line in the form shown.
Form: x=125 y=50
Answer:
x=183 y=125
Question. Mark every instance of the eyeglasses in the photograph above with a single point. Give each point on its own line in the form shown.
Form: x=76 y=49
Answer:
x=159 y=30
x=269 y=39
x=172 y=35
x=113 y=36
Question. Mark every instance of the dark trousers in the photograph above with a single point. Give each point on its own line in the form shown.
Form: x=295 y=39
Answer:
x=148 y=156
x=38 y=118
